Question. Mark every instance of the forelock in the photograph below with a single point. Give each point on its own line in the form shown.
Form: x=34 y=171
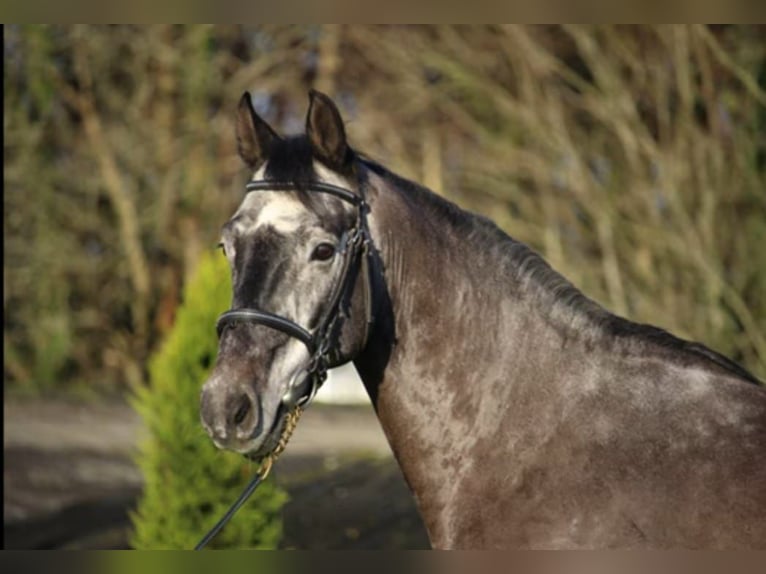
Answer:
x=291 y=160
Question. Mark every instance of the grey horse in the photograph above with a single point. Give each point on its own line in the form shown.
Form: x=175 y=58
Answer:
x=522 y=413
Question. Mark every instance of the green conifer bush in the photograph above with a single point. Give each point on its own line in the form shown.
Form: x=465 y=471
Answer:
x=189 y=483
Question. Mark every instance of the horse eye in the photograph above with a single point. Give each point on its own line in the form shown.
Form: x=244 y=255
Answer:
x=323 y=252
x=222 y=247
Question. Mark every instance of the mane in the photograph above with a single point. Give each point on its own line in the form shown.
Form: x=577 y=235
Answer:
x=529 y=268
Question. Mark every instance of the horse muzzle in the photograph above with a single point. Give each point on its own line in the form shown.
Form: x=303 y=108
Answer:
x=231 y=415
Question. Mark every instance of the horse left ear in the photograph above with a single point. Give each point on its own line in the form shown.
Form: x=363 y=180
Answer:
x=324 y=128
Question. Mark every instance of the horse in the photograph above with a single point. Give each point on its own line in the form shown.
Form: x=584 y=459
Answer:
x=522 y=413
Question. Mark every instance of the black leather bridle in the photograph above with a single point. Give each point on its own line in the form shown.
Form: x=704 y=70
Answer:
x=322 y=344
x=356 y=249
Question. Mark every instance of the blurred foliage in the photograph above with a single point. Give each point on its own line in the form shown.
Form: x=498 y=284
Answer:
x=189 y=483
x=632 y=157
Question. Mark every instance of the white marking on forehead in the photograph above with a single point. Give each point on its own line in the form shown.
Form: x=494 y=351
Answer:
x=281 y=210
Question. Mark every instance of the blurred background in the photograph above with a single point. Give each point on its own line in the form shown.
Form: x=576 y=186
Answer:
x=632 y=157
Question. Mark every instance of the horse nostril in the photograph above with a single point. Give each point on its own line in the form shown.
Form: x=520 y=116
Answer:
x=242 y=410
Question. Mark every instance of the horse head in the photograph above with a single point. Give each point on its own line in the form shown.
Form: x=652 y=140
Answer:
x=295 y=246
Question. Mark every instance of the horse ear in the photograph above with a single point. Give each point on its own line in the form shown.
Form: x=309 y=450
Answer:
x=324 y=128
x=254 y=135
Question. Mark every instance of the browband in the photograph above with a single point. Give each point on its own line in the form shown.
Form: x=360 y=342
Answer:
x=340 y=192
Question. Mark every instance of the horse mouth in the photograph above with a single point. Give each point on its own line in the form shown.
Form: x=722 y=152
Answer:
x=273 y=436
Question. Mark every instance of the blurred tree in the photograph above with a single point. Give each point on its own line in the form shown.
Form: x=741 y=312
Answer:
x=189 y=483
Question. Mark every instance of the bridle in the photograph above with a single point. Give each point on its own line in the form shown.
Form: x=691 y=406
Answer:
x=356 y=249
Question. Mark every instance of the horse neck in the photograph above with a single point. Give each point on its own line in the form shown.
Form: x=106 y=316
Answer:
x=460 y=323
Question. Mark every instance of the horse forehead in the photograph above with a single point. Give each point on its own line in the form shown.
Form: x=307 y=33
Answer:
x=279 y=210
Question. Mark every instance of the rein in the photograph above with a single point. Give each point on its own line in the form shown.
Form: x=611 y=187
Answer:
x=322 y=344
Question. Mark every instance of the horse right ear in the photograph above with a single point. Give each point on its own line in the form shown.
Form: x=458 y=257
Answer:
x=324 y=128
x=254 y=135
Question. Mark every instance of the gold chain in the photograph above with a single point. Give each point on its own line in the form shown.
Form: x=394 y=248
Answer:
x=271 y=458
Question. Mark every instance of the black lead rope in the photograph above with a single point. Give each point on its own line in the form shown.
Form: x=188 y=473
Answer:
x=261 y=474
x=249 y=489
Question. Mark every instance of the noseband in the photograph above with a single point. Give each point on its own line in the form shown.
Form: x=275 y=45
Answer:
x=322 y=343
